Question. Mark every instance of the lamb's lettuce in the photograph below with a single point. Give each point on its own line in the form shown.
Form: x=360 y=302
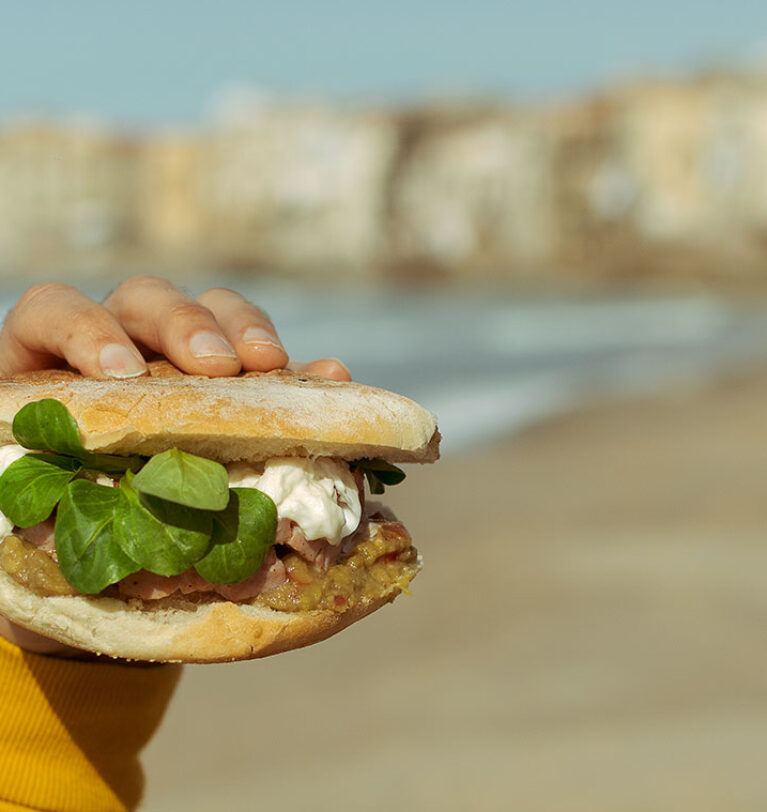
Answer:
x=47 y=425
x=379 y=474
x=185 y=479
x=162 y=537
x=242 y=536
x=30 y=487
x=86 y=545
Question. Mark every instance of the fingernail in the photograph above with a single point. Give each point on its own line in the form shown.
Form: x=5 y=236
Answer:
x=262 y=337
x=211 y=345
x=117 y=361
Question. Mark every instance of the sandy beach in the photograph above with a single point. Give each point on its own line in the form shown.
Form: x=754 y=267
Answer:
x=588 y=634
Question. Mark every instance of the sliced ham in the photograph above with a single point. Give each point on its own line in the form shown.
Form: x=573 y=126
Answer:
x=359 y=479
x=317 y=551
x=271 y=575
x=151 y=587
x=40 y=535
x=286 y=530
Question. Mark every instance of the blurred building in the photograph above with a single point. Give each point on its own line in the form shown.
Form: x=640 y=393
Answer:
x=660 y=178
x=168 y=202
x=67 y=195
x=296 y=188
x=473 y=191
x=646 y=179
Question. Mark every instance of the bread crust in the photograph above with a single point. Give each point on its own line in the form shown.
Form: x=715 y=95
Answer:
x=253 y=416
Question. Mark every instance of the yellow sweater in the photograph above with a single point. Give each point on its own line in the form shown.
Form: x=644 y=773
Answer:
x=71 y=731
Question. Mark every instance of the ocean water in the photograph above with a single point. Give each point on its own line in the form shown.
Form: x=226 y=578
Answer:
x=489 y=363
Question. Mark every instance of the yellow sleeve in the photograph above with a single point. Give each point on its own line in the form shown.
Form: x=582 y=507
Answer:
x=71 y=731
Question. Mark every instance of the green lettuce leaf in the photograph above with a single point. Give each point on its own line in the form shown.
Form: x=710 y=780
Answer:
x=31 y=487
x=162 y=537
x=379 y=474
x=88 y=552
x=242 y=536
x=185 y=479
x=47 y=425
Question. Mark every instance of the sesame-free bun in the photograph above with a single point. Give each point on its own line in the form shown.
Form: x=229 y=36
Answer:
x=183 y=630
x=253 y=416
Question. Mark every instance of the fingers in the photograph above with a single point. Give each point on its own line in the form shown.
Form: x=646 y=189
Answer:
x=255 y=339
x=52 y=322
x=326 y=367
x=247 y=327
x=216 y=335
x=172 y=323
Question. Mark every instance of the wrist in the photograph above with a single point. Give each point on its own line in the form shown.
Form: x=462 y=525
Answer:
x=37 y=643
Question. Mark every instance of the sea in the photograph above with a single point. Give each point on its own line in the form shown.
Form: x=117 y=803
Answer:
x=488 y=363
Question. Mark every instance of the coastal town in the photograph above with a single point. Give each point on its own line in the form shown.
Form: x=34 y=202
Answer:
x=640 y=180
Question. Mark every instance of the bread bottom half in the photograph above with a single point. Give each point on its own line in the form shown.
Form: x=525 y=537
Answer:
x=204 y=630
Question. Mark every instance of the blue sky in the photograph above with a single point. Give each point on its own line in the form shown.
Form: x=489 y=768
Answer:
x=162 y=61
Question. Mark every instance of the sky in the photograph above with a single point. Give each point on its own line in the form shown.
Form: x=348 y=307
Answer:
x=164 y=61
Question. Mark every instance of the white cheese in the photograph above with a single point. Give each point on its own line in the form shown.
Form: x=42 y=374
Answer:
x=244 y=475
x=8 y=454
x=319 y=495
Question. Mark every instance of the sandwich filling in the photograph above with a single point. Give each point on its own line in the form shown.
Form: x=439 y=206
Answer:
x=291 y=533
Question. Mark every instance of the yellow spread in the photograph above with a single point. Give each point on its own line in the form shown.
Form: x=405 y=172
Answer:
x=33 y=568
x=384 y=563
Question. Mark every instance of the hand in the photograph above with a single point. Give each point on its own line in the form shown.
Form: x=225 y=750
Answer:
x=217 y=334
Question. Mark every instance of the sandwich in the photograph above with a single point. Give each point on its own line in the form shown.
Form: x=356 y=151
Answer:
x=177 y=518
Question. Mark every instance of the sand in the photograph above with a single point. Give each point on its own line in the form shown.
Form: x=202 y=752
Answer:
x=590 y=633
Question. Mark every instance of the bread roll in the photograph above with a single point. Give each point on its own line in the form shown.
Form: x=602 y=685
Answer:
x=253 y=417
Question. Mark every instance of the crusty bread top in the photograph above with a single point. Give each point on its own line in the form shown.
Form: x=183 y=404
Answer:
x=254 y=416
